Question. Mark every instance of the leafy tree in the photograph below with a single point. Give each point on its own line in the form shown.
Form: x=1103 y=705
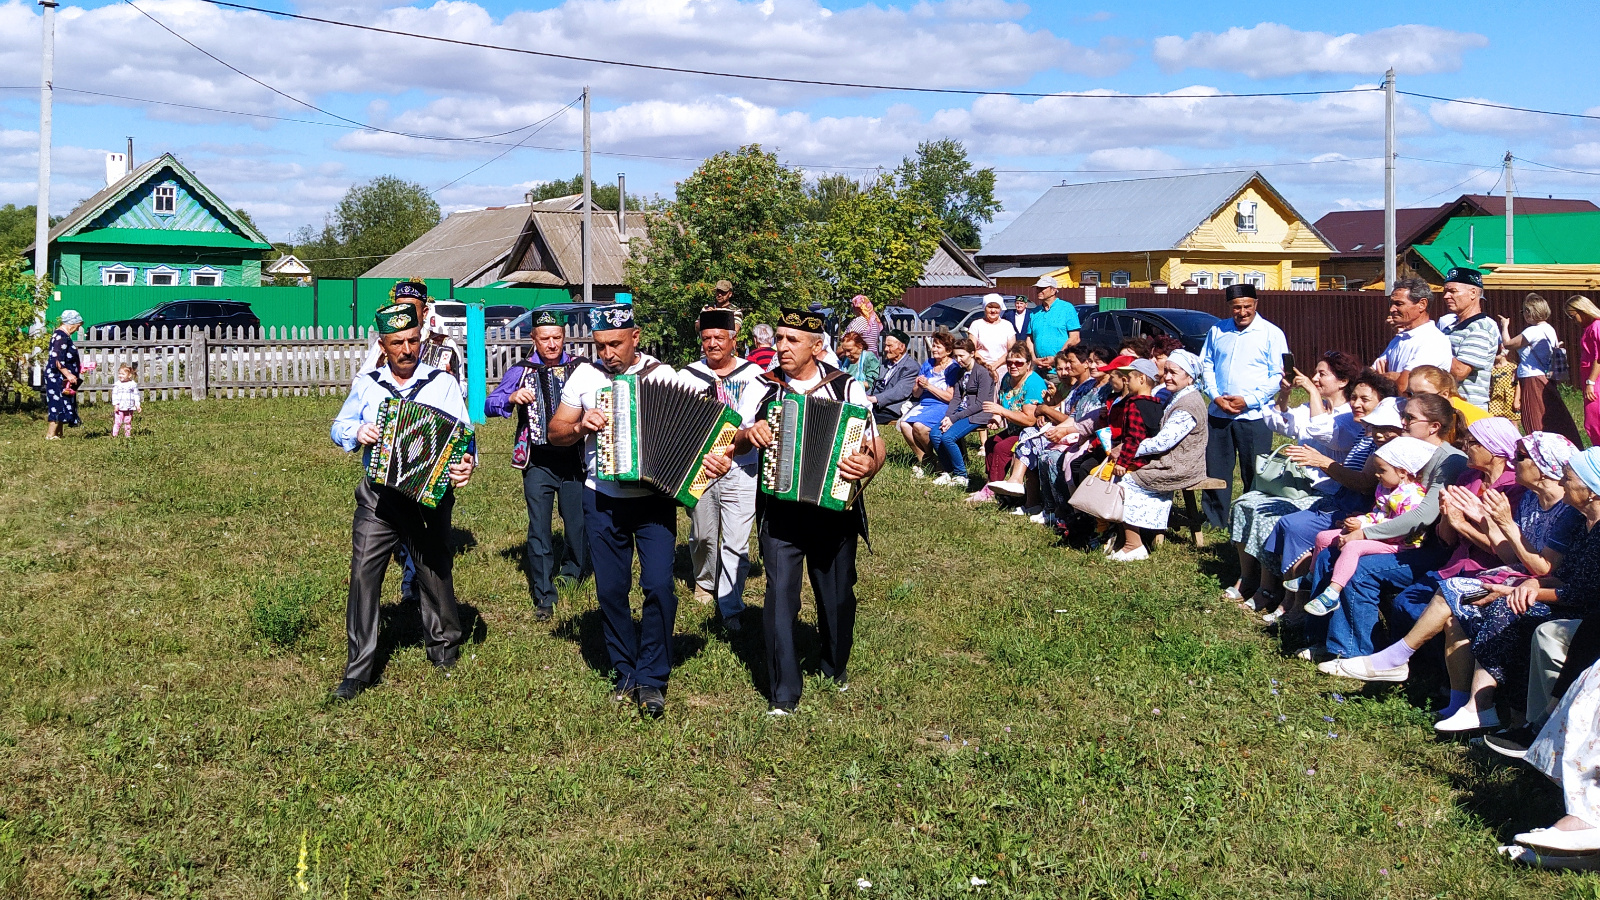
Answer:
x=373 y=221
x=740 y=216
x=827 y=193
x=944 y=179
x=877 y=243
x=16 y=228
x=604 y=195
x=23 y=299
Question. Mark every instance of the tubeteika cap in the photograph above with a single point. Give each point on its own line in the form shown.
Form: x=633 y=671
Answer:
x=800 y=320
x=1235 y=291
x=395 y=317
x=611 y=317
x=546 y=317
x=1465 y=275
x=411 y=290
x=717 y=318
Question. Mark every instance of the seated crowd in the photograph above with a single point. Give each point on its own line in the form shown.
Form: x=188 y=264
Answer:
x=1400 y=528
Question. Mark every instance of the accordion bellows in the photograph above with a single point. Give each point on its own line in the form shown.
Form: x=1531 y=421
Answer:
x=533 y=420
x=658 y=431
x=812 y=434
x=416 y=446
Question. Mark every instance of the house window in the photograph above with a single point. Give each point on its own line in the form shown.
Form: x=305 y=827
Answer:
x=1256 y=280
x=166 y=199
x=1090 y=276
x=206 y=277
x=1302 y=284
x=1203 y=279
x=1121 y=278
x=161 y=276
x=1246 y=219
x=117 y=274
x=1227 y=279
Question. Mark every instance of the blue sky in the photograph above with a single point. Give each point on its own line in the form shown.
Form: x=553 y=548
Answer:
x=288 y=175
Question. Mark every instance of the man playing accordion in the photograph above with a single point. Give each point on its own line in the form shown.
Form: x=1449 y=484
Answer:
x=798 y=536
x=385 y=518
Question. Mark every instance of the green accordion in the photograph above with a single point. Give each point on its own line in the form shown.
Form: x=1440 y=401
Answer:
x=416 y=446
x=811 y=435
x=658 y=432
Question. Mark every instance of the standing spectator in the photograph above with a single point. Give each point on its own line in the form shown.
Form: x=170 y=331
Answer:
x=1018 y=316
x=1172 y=458
x=963 y=414
x=62 y=376
x=859 y=362
x=1537 y=345
x=992 y=335
x=1417 y=341
x=1505 y=399
x=1474 y=337
x=1241 y=366
x=934 y=387
x=763 y=355
x=125 y=399
x=891 y=392
x=722 y=298
x=1587 y=315
x=866 y=323
x=1053 y=325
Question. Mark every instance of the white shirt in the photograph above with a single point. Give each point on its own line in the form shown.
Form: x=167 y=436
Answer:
x=125 y=395
x=367 y=393
x=750 y=405
x=1536 y=355
x=992 y=338
x=1424 y=345
x=579 y=392
x=731 y=391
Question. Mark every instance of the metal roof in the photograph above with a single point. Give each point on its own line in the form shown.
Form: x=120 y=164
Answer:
x=1128 y=216
x=951 y=266
x=459 y=248
x=1024 y=272
x=1541 y=239
x=1359 y=232
x=562 y=232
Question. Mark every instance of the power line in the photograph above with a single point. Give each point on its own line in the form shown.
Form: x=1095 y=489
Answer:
x=1555 y=168
x=1458 y=184
x=1486 y=104
x=502 y=153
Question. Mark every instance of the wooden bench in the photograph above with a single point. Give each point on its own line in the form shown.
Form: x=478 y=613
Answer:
x=1192 y=517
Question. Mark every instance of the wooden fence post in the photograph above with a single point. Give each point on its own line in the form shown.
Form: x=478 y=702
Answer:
x=199 y=363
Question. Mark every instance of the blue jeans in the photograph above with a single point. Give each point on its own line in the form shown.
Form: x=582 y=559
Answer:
x=1405 y=577
x=947 y=445
x=640 y=654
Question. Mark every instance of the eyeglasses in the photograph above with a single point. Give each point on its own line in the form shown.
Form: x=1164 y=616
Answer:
x=1015 y=362
x=1408 y=419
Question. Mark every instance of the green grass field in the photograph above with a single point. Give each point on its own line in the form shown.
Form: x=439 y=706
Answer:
x=1034 y=717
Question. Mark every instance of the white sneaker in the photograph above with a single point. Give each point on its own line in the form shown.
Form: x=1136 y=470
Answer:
x=1018 y=511
x=917 y=472
x=1468 y=718
x=778 y=712
x=1142 y=552
x=943 y=478
x=1039 y=518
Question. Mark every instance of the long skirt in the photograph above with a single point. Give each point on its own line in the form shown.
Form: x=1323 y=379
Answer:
x=1294 y=537
x=1142 y=508
x=1255 y=514
x=1568 y=748
x=1543 y=409
x=1500 y=638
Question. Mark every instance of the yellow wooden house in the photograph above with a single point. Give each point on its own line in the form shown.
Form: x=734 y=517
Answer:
x=1216 y=229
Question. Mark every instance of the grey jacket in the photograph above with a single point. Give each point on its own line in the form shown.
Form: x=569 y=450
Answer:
x=1442 y=470
x=895 y=383
x=975 y=389
x=1184 y=464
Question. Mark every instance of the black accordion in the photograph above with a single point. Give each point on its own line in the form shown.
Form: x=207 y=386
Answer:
x=812 y=434
x=659 y=431
x=533 y=420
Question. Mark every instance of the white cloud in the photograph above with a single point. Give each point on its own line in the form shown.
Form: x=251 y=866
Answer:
x=1131 y=159
x=1270 y=50
x=1474 y=119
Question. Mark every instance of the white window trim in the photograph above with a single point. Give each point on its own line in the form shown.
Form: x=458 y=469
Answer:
x=1246 y=222
x=1258 y=279
x=1227 y=279
x=1126 y=278
x=155 y=199
x=1302 y=283
x=150 y=276
x=197 y=274
x=106 y=273
x=1089 y=276
x=1203 y=279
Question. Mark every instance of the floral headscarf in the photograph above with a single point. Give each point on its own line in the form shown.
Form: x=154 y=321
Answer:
x=1549 y=452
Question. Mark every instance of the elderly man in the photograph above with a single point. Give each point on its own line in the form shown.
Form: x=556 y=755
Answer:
x=622 y=517
x=1240 y=367
x=386 y=519
x=897 y=381
x=551 y=475
x=1019 y=316
x=1474 y=335
x=1053 y=326
x=800 y=538
x=719 y=525
x=1417 y=341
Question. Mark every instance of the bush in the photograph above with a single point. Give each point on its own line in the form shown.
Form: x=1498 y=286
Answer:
x=282 y=612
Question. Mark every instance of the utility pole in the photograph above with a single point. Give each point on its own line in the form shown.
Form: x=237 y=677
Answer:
x=1389 y=237
x=1511 y=195
x=588 y=217
x=41 y=219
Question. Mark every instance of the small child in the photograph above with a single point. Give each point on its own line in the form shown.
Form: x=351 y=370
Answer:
x=125 y=399
x=1398 y=463
x=1505 y=398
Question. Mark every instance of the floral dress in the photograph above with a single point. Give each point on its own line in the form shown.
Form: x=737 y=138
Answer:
x=1568 y=747
x=61 y=398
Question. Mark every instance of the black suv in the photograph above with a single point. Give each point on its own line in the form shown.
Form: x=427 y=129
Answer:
x=182 y=315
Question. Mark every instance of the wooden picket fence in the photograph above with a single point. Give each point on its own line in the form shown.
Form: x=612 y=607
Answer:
x=258 y=362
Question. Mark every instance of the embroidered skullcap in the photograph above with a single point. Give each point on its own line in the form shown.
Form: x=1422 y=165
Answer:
x=546 y=317
x=800 y=320
x=1465 y=275
x=611 y=317
x=410 y=291
x=395 y=317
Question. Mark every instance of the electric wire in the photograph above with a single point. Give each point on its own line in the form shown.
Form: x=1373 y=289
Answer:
x=502 y=153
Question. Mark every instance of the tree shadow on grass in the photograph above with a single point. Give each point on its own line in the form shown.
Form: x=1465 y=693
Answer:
x=400 y=627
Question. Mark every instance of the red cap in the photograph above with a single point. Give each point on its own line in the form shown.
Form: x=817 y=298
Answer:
x=1117 y=363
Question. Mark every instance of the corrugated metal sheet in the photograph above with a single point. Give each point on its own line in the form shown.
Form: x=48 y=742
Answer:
x=950 y=266
x=562 y=232
x=459 y=248
x=1116 y=216
x=1024 y=272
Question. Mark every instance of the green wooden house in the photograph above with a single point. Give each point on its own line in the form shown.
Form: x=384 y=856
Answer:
x=156 y=225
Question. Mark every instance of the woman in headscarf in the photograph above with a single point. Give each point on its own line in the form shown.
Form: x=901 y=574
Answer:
x=866 y=323
x=62 y=374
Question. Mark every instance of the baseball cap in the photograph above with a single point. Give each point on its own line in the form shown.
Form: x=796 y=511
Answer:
x=1046 y=281
x=1143 y=366
x=1118 y=363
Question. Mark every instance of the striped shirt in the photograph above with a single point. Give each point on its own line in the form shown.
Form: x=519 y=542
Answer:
x=1475 y=342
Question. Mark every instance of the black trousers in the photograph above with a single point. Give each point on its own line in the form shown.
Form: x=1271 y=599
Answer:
x=1229 y=440
x=384 y=520
x=552 y=480
x=822 y=543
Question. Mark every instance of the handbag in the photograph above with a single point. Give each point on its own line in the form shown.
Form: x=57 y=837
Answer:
x=1279 y=476
x=1560 y=369
x=1099 y=495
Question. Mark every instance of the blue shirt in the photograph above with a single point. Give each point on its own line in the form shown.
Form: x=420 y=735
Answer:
x=1051 y=328
x=1032 y=391
x=368 y=392
x=1246 y=364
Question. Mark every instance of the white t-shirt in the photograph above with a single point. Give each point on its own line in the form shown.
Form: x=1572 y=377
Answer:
x=1536 y=355
x=579 y=392
x=1424 y=345
x=750 y=405
x=992 y=339
x=731 y=390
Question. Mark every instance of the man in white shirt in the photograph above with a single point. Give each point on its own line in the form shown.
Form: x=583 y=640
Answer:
x=992 y=334
x=386 y=519
x=719 y=525
x=1417 y=341
x=1241 y=365
x=801 y=538
x=621 y=517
